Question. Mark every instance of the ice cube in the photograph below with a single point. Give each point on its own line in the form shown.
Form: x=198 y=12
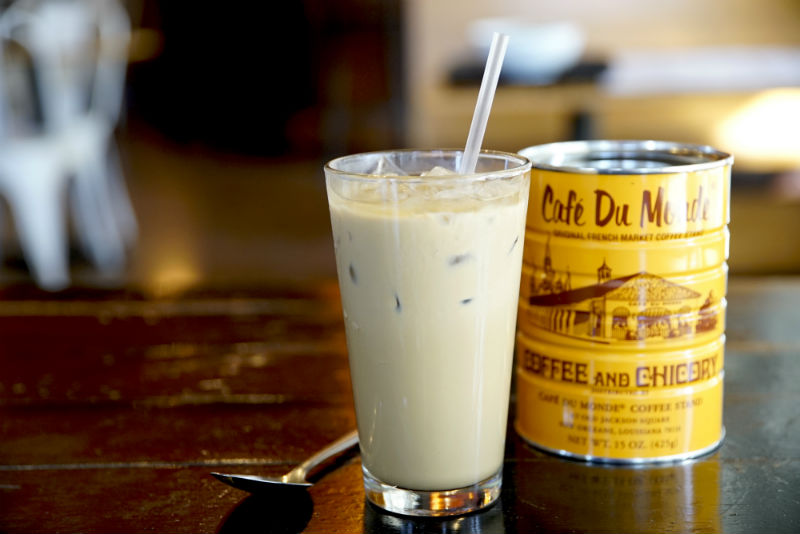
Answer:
x=387 y=167
x=449 y=193
x=438 y=171
x=492 y=190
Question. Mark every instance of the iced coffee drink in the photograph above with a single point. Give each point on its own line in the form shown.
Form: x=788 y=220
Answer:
x=429 y=271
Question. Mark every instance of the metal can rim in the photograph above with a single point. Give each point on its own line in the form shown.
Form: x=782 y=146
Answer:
x=621 y=156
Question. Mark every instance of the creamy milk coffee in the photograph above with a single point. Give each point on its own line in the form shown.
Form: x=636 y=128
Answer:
x=429 y=276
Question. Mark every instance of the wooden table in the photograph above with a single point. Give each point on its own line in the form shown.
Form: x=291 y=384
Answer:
x=115 y=407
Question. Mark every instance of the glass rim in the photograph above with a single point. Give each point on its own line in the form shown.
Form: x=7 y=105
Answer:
x=524 y=165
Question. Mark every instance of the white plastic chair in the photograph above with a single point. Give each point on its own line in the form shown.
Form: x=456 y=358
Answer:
x=77 y=50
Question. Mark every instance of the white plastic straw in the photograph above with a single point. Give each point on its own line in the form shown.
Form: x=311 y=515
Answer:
x=491 y=74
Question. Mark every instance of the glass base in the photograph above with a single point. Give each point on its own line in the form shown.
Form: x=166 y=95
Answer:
x=433 y=503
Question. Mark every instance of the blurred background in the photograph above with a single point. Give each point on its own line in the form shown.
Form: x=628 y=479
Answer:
x=168 y=146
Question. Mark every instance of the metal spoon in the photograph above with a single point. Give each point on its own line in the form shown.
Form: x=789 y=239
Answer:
x=294 y=478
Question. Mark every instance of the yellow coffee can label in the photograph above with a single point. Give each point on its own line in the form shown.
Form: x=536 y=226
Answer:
x=637 y=310
x=561 y=258
x=620 y=406
x=630 y=207
x=622 y=300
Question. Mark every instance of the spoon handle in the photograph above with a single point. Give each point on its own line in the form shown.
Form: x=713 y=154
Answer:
x=340 y=445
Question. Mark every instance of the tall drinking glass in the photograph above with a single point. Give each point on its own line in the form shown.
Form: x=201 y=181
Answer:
x=429 y=270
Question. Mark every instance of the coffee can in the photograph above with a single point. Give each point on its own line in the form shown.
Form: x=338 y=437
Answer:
x=621 y=324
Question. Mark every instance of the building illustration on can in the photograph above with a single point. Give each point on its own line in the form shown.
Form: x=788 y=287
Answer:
x=632 y=307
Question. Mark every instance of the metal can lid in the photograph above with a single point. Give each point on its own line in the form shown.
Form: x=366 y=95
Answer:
x=625 y=157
